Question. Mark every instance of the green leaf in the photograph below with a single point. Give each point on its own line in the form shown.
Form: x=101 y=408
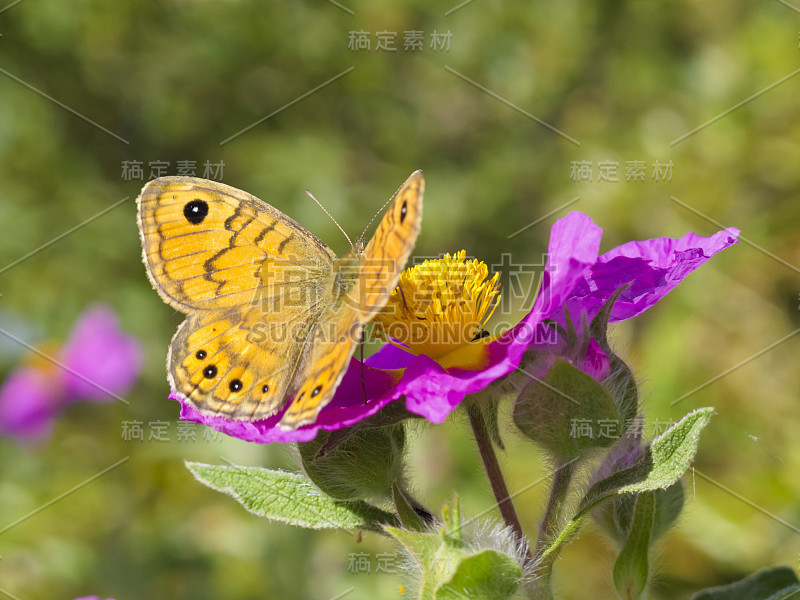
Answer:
x=631 y=569
x=669 y=504
x=663 y=462
x=408 y=516
x=288 y=497
x=777 y=583
x=673 y=452
x=487 y=575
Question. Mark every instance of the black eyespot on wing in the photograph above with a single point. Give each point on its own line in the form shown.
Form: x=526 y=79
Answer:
x=200 y=354
x=403 y=211
x=235 y=385
x=195 y=211
x=316 y=391
x=210 y=372
x=265 y=388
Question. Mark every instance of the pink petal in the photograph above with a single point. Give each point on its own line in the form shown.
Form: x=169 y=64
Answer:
x=103 y=361
x=30 y=400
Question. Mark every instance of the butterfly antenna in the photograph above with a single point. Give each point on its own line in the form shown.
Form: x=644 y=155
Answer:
x=325 y=210
x=380 y=211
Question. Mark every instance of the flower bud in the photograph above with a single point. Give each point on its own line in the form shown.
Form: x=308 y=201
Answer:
x=362 y=466
x=567 y=412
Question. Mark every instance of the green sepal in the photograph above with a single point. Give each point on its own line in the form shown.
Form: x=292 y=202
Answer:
x=451 y=569
x=599 y=326
x=631 y=569
x=487 y=575
x=552 y=411
x=392 y=414
x=669 y=504
x=776 y=583
x=451 y=515
x=361 y=466
x=615 y=515
x=409 y=518
x=289 y=497
x=620 y=380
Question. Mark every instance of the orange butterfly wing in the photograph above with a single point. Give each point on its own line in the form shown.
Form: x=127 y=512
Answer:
x=253 y=283
x=274 y=316
x=367 y=279
x=209 y=246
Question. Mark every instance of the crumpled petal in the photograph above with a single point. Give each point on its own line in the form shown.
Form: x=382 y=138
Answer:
x=651 y=268
x=103 y=361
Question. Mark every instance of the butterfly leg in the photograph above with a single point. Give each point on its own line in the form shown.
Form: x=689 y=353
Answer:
x=363 y=384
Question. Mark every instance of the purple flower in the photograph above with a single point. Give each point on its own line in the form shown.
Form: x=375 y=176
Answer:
x=101 y=360
x=29 y=398
x=97 y=363
x=92 y=598
x=576 y=279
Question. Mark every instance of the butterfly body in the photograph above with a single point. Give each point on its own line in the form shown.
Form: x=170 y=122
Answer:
x=273 y=313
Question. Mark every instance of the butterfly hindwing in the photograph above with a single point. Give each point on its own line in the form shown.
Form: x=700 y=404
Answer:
x=240 y=365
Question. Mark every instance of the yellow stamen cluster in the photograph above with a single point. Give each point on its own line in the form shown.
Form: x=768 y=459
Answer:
x=440 y=305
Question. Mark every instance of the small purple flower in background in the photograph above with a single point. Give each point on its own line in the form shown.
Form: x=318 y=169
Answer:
x=101 y=360
x=92 y=598
x=435 y=377
x=97 y=363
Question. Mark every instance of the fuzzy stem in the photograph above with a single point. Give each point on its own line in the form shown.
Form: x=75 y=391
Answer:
x=493 y=472
x=562 y=478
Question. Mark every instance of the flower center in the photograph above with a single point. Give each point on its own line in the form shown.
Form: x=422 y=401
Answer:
x=440 y=305
x=40 y=360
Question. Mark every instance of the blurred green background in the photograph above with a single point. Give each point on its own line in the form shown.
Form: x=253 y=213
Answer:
x=620 y=82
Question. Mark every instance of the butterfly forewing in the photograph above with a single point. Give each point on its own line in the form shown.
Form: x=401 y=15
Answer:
x=209 y=246
x=340 y=326
x=386 y=254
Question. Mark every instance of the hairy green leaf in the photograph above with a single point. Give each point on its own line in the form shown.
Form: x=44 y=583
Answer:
x=777 y=583
x=288 y=497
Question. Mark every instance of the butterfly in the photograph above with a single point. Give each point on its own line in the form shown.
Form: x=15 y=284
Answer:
x=273 y=314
